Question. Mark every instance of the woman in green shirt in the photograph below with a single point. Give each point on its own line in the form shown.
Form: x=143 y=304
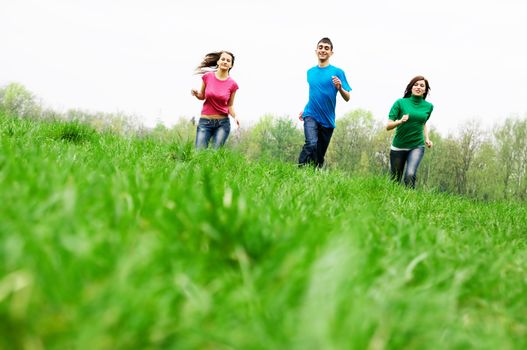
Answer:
x=409 y=116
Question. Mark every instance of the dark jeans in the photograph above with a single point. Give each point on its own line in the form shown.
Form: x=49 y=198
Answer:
x=316 y=144
x=410 y=158
x=217 y=129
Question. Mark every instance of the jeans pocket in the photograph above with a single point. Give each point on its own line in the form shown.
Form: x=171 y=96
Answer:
x=204 y=122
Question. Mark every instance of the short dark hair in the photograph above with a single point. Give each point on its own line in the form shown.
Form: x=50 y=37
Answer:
x=408 y=90
x=326 y=40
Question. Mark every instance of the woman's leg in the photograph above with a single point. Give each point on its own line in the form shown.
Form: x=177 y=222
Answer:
x=204 y=132
x=221 y=132
x=414 y=158
x=397 y=163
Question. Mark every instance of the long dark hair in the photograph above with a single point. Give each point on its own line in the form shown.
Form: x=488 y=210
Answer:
x=408 y=90
x=211 y=61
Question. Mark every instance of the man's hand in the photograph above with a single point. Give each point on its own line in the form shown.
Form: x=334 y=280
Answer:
x=336 y=82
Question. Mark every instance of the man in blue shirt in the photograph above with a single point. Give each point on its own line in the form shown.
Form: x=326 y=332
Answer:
x=324 y=82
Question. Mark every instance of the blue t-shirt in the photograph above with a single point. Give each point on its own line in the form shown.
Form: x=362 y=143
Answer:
x=323 y=94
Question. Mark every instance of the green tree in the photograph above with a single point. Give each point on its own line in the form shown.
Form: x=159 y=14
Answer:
x=16 y=100
x=381 y=148
x=469 y=142
x=511 y=141
x=441 y=169
x=273 y=138
x=429 y=169
x=351 y=146
x=452 y=159
x=484 y=173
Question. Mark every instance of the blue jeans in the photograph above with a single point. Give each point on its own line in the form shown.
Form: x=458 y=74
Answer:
x=217 y=129
x=410 y=158
x=316 y=143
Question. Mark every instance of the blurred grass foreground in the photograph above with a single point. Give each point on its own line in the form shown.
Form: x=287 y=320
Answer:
x=131 y=242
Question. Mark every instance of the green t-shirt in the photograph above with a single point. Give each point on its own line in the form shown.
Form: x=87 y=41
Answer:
x=411 y=133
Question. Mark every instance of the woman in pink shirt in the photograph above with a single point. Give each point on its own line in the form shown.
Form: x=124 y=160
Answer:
x=217 y=91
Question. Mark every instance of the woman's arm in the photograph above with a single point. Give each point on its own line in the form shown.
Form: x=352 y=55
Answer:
x=200 y=95
x=428 y=142
x=395 y=123
x=232 y=112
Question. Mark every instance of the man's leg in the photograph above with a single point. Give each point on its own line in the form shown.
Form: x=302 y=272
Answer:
x=324 y=137
x=309 y=151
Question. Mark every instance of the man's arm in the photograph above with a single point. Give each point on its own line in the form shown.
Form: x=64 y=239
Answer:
x=338 y=84
x=345 y=94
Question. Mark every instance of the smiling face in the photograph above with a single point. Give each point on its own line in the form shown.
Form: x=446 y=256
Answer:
x=324 y=51
x=225 y=62
x=419 y=88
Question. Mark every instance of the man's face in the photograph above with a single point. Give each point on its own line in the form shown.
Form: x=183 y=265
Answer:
x=324 y=51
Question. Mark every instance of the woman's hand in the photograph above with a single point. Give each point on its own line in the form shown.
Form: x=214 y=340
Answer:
x=392 y=124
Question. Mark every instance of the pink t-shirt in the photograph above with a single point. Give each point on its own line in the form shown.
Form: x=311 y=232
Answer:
x=217 y=94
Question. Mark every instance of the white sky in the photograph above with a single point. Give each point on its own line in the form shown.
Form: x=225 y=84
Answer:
x=138 y=56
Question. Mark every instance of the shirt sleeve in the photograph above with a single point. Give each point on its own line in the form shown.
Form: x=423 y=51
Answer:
x=395 y=111
x=234 y=87
x=430 y=113
x=344 y=81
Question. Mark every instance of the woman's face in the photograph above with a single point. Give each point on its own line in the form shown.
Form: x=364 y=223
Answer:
x=419 y=88
x=225 y=61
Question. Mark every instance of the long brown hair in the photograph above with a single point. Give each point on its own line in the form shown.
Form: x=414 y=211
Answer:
x=408 y=90
x=211 y=61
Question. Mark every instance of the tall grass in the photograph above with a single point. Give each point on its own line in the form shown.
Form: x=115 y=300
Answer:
x=109 y=242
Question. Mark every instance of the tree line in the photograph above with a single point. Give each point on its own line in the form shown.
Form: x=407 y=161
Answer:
x=481 y=164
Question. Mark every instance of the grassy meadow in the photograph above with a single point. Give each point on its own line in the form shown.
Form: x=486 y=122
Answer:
x=113 y=242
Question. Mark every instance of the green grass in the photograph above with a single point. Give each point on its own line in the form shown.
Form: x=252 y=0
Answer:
x=108 y=242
